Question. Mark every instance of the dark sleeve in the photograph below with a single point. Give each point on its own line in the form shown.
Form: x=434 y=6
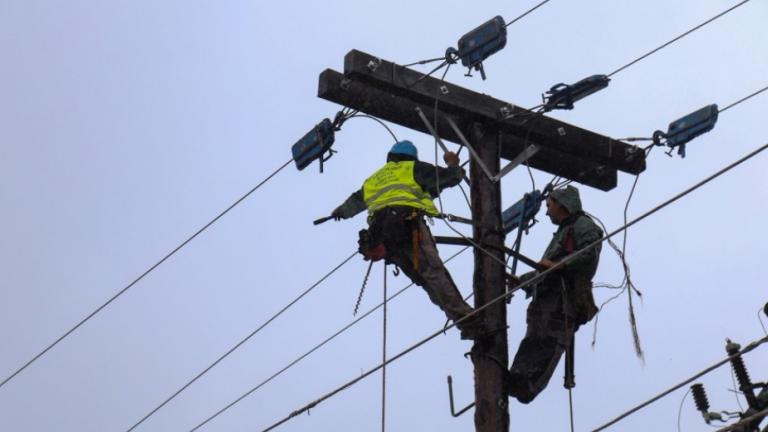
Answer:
x=427 y=177
x=352 y=206
x=585 y=232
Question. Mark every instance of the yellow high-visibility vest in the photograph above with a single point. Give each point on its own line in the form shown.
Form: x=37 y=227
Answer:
x=394 y=185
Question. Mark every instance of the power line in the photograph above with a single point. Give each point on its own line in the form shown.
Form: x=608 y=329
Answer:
x=239 y=344
x=743 y=99
x=677 y=38
x=747 y=349
x=526 y=13
x=315 y=348
x=531 y=281
x=135 y=281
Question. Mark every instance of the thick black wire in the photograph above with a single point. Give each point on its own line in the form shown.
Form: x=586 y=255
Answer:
x=239 y=344
x=743 y=99
x=135 y=281
x=526 y=13
x=534 y=280
x=377 y=120
x=677 y=38
x=315 y=348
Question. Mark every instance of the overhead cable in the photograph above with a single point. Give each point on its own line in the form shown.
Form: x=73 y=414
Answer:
x=746 y=349
x=239 y=344
x=148 y=271
x=315 y=348
x=526 y=13
x=531 y=281
x=743 y=99
x=677 y=38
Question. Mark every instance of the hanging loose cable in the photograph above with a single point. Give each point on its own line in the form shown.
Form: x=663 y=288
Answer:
x=677 y=38
x=384 y=355
x=315 y=348
x=148 y=271
x=536 y=279
x=239 y=344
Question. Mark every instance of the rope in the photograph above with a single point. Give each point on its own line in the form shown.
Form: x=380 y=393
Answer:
x=239 y=344
x=747 y=349
x=533 y=280
x=570 y=403
x=384 y=356
x=315 y=348
x=135 y=281
x=677 y=38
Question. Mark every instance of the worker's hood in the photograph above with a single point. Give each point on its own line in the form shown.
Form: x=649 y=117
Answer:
x=568 y=197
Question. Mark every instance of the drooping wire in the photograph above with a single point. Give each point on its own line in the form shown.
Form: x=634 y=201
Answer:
x=677 y=38
x=384 y=356
x=313 y=349
x=536 y=279
x=680 y=410
x=736 y=392
x=743 y=99
x=526 y=13
x=377 y=120
x=626 y=414
x=148 y=271
x=760 y=318
x=242 y=341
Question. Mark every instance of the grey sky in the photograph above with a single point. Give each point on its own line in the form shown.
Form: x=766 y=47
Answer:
x=127 y=125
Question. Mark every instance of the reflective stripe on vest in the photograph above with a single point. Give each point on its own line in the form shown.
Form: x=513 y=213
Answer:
x=394 y=185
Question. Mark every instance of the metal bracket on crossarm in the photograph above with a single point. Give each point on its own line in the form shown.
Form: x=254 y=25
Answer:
x=526 y=154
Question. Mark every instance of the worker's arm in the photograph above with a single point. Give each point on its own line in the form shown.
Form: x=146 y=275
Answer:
x=585 y=232
x=351 y=207
x=435 y=180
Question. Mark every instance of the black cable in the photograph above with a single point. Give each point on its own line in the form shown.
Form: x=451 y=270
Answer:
x=377 y=120
x=315 y=348
x=239 y=344
x=421 y=62
x=534 y=280
x=526 y=13
x=743 y=99
x=157 y=264
x=677 y=38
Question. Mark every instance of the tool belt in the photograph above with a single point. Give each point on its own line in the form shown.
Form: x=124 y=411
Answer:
x=391 y=229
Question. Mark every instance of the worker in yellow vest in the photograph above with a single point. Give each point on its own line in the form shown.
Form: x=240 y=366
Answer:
x=398 y=196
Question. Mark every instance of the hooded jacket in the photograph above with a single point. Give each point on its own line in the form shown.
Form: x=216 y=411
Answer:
x=574 y=233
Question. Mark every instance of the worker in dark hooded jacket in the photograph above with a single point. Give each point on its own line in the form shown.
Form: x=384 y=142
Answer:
x=562 y=300
x=398 y=196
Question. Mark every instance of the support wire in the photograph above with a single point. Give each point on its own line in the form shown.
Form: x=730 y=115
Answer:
x=148 y=271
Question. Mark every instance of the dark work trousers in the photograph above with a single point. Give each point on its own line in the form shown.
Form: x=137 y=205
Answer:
x=425 y=269
x=548 y=333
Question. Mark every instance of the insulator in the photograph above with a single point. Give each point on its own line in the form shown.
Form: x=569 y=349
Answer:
x=700 y=397
x=738 y=365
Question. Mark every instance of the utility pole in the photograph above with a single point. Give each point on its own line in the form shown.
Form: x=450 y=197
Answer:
x=489 y=354
x=496 y=130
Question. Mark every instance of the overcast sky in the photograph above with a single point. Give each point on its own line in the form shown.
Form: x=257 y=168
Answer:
x=125 y=126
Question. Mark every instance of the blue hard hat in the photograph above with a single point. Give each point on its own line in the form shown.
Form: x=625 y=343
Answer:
x=405 y=147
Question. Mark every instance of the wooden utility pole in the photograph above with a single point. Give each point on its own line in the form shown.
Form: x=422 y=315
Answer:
x=489 y=354
x=496 y=130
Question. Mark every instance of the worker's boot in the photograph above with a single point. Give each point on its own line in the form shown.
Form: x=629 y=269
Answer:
x=516 y=385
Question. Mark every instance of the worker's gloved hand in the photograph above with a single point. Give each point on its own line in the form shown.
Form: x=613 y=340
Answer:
x=451 y=159
x=336 y=214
